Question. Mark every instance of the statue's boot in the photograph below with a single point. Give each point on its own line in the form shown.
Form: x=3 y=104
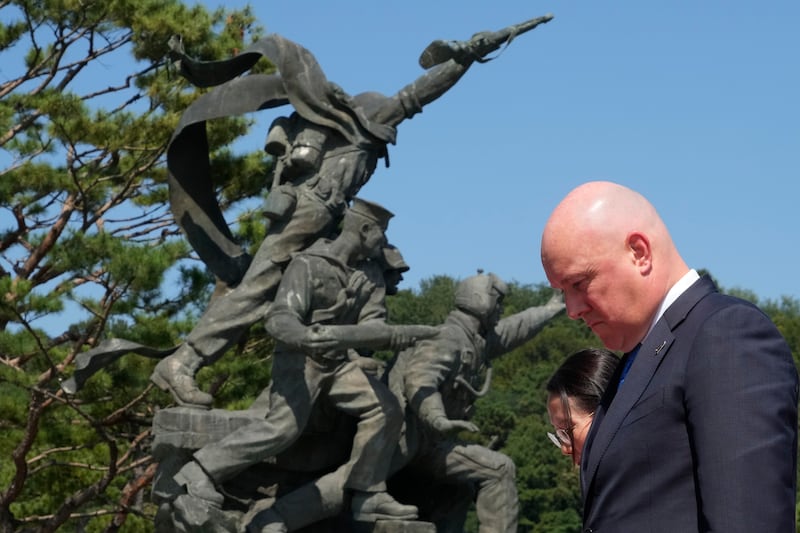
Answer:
x=199 y=484
x=373 y=506
x=267 y=521
x=175 y=373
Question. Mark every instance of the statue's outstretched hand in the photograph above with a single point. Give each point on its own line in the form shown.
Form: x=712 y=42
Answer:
x=445 y=425
x=556 y=300
x=478 y=47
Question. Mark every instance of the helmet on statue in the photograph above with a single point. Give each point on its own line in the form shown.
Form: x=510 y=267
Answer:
x=481 y=296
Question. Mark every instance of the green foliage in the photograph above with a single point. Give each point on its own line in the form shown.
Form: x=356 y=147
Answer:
x=89 y=250
x=430 y=306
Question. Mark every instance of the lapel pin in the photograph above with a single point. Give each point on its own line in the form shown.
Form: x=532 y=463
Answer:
x=660 y=347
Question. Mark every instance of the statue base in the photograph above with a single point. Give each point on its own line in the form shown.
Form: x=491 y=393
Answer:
x=179 y=431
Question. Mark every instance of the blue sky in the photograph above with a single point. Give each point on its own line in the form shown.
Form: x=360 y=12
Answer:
x=694 y=104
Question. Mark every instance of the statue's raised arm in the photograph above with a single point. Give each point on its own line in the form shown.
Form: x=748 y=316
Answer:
x=476 y=49
x=445 y=63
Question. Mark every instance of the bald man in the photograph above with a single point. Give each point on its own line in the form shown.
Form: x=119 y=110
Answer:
x=698 y=430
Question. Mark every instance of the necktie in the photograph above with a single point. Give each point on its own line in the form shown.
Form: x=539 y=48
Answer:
x=628 y=362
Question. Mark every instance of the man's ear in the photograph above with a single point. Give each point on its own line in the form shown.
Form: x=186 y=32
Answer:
x=363 y=230
x=641 y=253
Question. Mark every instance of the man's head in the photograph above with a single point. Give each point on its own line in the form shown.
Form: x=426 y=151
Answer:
x=608 y=250
x=367 y=221
x=393 y=266
x=482 y=297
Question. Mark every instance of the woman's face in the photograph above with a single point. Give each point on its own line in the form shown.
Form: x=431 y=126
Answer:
x=570 y=428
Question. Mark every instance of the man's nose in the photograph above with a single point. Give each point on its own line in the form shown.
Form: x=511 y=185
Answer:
x=576 y=307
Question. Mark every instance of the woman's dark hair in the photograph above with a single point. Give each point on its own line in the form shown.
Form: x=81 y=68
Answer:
x=583 y=376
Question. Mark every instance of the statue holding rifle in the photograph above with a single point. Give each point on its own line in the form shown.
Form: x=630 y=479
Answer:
x=326 y=150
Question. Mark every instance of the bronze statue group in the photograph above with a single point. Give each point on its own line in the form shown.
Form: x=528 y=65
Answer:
x=319 y=282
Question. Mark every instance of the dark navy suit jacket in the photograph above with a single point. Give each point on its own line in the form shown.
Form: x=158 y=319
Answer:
x=702 y=434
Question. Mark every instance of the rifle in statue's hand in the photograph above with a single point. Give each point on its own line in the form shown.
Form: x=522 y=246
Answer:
x=374 y=335
x=477 y=47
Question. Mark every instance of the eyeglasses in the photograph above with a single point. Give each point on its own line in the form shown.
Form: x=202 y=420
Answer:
x=561 y=437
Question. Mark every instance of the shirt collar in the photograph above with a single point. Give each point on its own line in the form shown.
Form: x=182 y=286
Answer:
x=679 y=288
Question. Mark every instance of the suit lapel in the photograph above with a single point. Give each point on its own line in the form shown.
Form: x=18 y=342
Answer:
x=650 y=355
x=652 y=352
